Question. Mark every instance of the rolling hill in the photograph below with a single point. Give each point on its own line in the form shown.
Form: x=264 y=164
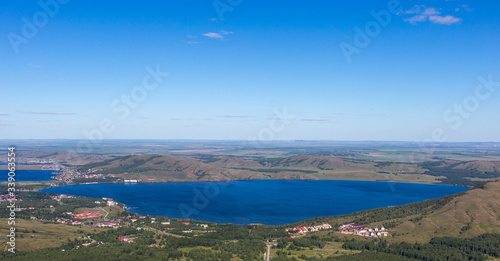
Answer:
x=473 y=213
x=464 y=215
x=165 y=168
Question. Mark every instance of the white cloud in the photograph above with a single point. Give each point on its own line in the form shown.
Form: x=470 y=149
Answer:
x=423 y=14
x=415 y=10
x=47 y=113
x=34 y=65
x=449 y=19
x=431 y=11
x=219 y=35
x=417 y=18
x=232 y=116
x=214 y=35
x=464 y=8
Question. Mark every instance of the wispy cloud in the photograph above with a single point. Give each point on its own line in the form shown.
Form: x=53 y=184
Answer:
x=422 y=14
x=47 y=113
x=309 y=119
x=4 y=114
x=232 y=116
x=214 y=35
x=192 y=41
x=219 y=35
x=34 y=65
x=449 y=19
x=464 y=8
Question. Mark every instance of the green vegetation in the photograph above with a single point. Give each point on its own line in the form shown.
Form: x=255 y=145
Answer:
x=455 y=176
x=445 y=248
x=280 y=170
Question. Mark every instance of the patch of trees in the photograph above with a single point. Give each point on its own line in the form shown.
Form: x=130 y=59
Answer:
x=456 y=176
x=101 y=164
x=41 y=203
x=444 y=248
x=381 y=164
x=390 y=213
x=280 y=170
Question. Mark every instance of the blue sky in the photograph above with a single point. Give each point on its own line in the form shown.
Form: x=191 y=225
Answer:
x=230 y=69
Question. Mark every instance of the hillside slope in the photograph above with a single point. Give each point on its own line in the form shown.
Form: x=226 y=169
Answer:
x=166 y=168
x=475 y=212
x=465 y=215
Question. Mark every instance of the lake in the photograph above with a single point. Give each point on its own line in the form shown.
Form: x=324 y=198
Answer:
x=270 y=202
x=29 y=175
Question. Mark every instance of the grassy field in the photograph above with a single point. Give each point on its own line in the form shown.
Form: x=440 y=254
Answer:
x=330 y=249
x=32 y=235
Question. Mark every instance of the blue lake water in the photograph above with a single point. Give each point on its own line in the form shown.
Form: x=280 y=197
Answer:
x=270 y=202
x=29 y=175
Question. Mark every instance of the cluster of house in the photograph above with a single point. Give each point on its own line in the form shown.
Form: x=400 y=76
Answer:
x=105 y=224
x=5 y=197
x=126 y=239
x=93 y=170
x=69 y=175
x=196 y=224
x=68 y=221
x=91 y=176
x=33 y=161
x=303 y=230
x=86 y=214
x=362 y=230
x=59 y=197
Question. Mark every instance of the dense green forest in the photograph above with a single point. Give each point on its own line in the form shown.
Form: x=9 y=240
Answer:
x=446 y=248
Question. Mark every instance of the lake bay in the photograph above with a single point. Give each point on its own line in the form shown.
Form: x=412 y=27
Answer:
x=270 y=202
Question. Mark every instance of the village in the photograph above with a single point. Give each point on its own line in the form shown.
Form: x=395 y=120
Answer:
x=90 y=176
x=304 y=230
x=105 y=214
x=362 y=230
x=348 y=229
